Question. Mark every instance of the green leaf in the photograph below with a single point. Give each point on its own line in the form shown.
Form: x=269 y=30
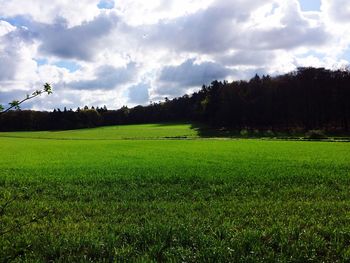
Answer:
x=15 y=104
x=48 y=88
x=37 y=92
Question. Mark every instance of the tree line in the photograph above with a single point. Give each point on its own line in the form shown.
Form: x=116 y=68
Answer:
x=307 y=98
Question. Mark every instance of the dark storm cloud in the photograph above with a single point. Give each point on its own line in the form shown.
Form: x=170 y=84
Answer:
x=107 y=77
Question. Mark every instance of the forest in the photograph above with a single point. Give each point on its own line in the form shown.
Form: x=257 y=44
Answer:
x=305 y=99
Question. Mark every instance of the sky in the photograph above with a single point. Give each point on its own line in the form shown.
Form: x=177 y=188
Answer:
x=133 y=52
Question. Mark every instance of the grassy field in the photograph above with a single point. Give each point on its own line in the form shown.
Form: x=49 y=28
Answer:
x=123 y=132
x=134 y=193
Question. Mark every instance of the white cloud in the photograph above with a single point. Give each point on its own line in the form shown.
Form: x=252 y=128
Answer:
x=336 y=14
x=16 y=62
x=75 y=12
x=138 y=13
x=5 y=28
x=337 y=10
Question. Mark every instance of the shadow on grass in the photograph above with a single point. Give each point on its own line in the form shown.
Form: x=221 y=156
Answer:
x=206 y=131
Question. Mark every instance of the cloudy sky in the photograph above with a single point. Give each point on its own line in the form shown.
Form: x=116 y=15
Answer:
x=130 y=52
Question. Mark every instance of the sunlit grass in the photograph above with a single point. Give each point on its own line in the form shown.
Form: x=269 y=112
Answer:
x=145 y=131
x=179 y=200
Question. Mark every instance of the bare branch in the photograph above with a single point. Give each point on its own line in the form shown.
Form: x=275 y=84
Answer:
x=16 y=104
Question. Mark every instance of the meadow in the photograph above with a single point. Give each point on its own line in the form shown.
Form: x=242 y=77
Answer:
x=141 y=193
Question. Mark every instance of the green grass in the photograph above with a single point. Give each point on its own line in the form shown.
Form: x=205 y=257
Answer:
x=110 y=199
x=145 y=131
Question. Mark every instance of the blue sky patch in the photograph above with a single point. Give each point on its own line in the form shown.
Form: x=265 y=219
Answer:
x=41 y=61
x=70 y=65
x=67 y=64
x=313 y=53
x=310 y=5
x=346 y=55
x=106 y=4
x=17 y=21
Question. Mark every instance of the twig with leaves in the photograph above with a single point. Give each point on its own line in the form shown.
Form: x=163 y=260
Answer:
x=15 y=104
